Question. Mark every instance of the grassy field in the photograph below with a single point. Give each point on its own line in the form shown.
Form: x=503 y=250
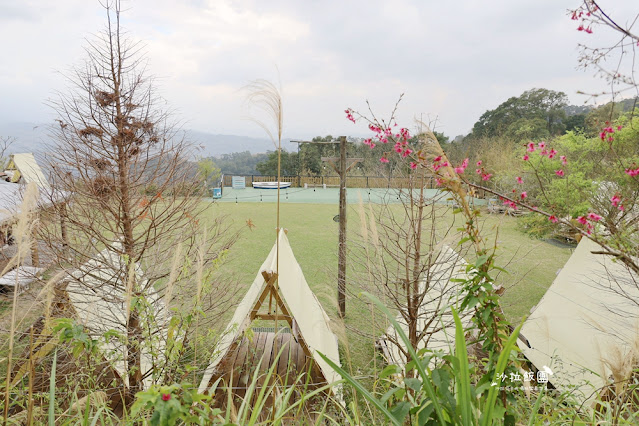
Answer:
x=531 y=264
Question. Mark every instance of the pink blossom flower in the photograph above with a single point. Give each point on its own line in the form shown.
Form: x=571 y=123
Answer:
x=615 y=200
x=439 y=181
x=478 y=171
x=486 y=176
x=523 y=195
x=619 y=128
x=479 y=163
x=384 y=160
x=166 y=396
x=531 y=147
x=459 y=170
x=559 y=173
x=406 y=153
x=438 y=158
x=413 y=165
x=349 y=114
x=553 y=219
x=526 y=157
x=520 y=180
x=552 y=153
x=632 y=173
x=582 y=220
x=564 y=160
x=542 y=145
x=594 y=216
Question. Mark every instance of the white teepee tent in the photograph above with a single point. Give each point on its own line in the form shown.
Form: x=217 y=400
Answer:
x=298 y=306
x=97 y=292
x=587 y=320
x=434 y=312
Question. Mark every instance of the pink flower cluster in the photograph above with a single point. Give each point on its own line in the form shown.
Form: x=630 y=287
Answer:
x=606 y=132
x=579 y=14
x=544 y=152
x=462 y=167
x=384 y=135
x=349 y=114
x=632 y=172
x=587 y=221
x=510 y=204
x=481 y=171
x=438 y=163
x=616 y=202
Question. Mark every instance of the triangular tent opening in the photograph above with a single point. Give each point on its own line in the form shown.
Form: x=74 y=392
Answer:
x=587 y=319
x=435 y=315
x=288 y=294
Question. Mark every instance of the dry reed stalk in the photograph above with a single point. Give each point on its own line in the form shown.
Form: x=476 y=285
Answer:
x=266 y=96
x=23 y=238
x=199 y=280
x=31 y=374
x=175 y=268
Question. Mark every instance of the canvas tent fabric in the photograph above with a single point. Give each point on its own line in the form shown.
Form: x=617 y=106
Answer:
x=97 y=291
x=440 y=297
x=586 y=319
x=28 y=169
x=305 y=308
x=23 y=275
x=12 y=195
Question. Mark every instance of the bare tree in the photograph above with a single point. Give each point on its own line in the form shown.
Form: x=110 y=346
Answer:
x=134 y=194
x=408 y=265
x=5 y=144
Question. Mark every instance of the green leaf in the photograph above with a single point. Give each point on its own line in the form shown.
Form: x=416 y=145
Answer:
x=52 y=389
x=361 y=390
x=464 y=401
x=489 y=407
x=400 y=410
x=389 y=370
x=414 y=384
x=481 y=260
x=409 y=347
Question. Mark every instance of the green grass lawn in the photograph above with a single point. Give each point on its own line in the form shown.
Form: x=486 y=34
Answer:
x=532 y=264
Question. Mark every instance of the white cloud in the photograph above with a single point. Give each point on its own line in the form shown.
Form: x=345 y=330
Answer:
x=453 y=60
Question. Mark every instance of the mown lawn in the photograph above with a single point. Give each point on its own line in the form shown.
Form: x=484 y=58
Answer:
x=531 y=264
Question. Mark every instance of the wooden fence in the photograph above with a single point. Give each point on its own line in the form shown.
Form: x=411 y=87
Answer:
x=332 y=181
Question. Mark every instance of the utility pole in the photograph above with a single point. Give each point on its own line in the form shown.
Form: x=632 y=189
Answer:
x=340 y=167
x=341 y=170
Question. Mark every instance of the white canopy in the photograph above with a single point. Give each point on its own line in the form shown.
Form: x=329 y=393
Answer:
x=587 y=320
x=434 y=312
x=312 y=321
x=97 y=291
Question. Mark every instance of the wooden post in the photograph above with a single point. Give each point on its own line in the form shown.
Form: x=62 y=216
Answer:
x=341 y=256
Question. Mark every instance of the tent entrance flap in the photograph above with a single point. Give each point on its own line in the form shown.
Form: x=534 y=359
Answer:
x=291 y=301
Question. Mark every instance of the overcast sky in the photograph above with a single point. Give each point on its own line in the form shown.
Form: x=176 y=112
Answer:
x=452 y=59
